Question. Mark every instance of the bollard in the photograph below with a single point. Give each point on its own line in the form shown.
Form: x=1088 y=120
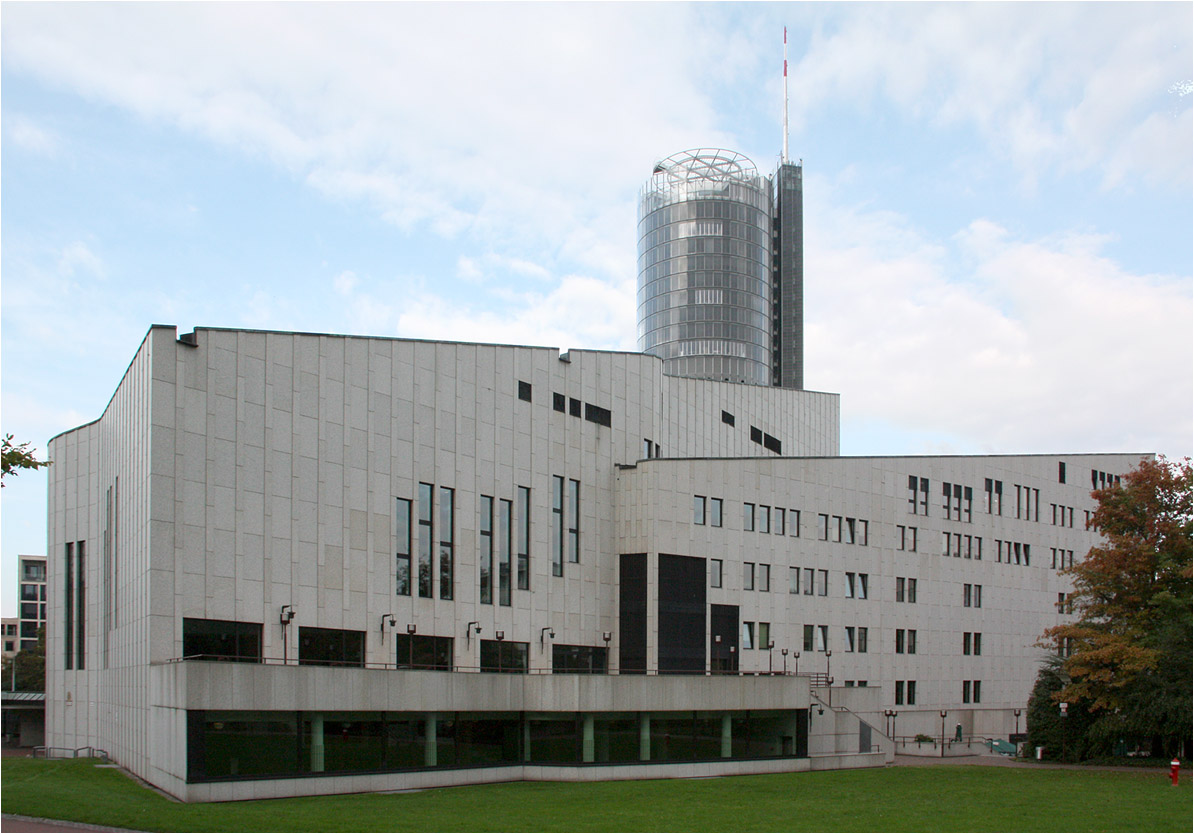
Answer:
x=1173 y=768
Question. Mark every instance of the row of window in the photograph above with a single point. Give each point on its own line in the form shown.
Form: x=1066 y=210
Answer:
x=571 y=405
x=819 y=579
x=759 y=518
x=952 y=498
x=765 y=440
x=972 y=692
x=842 y=529
x=1062 y=516
x=748 y=636
x=1007 y=551
x=706 y=510
x=905 y=589
x=972 y=596
x=33 y=593
x=749 y=572
x=1102 y=480
x=505 y=545
x=905 y=693
x=74 y=596
x=963 y=546
x=972 y=642
x=426 y=541
x=907 y=537
x=905 y=641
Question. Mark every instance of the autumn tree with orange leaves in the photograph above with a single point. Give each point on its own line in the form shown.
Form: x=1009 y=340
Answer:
x=1129 y=659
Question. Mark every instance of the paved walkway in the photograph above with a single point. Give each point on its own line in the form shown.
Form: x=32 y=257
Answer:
x=17 y=823
x=995 y=760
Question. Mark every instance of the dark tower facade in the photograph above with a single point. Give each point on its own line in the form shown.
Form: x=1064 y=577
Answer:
x=721 y=269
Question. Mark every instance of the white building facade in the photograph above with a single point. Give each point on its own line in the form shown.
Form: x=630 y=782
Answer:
x=287 y=563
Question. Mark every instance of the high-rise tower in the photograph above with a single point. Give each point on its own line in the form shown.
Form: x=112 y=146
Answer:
x=720 y=269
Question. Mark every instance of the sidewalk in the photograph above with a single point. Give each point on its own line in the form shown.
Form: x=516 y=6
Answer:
x=995 y=760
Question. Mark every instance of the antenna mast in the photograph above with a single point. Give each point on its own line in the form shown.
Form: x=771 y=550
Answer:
x=784 y=158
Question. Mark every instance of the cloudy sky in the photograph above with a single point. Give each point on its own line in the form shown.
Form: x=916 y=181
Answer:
x=998 y=198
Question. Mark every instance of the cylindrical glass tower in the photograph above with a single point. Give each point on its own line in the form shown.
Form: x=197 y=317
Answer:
x=704 y=267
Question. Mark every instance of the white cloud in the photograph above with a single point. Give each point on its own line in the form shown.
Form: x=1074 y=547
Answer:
x=27 y=134
x=345 y=282
x=77 y=256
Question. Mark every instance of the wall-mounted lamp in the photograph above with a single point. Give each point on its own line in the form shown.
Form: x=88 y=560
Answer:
x=287 y=614
x=784 y=652
x=384 y=618
x=607 y=636
x=500 y=635
x=469 y=629
x=716 y=638
x=549 y=631
x=411 y=628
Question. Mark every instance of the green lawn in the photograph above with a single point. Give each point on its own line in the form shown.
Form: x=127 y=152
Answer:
x=941 y=798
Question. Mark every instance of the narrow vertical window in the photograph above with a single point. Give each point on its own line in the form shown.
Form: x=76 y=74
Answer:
x=426 y=493
x=764 y=519
x=911 y=641
x=823 y=526
x=849 y=638
x=505 y=511
x=823 y=583
x=715 y=512
x=402 y=547
x=911 y=590
x=899 y=647
x=698 y=509
x=966 y=595
x=748 y=516
x=748 y=576
x=899 y=693
x=557 y=525
x=524 y=538
x=573 y=521
x=779 y=521
x=849 y=585
x=978 y=596
x=899 y=589
x=794 y=522
x=863 y=583
x=485 y=557
x=715 y=573
x=793 y=580
x=823 y=637
x=447 y=542
x=808 y=582
x=911 y=692
x=764 y=577
x=80 y=604
x=965 y=642
x=862 y=639
x=808 y=638
x=68 y=594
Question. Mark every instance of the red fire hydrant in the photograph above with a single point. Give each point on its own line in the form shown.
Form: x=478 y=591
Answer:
x=1173 y=766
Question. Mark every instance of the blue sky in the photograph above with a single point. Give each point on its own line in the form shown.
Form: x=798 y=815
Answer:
x=998 y=198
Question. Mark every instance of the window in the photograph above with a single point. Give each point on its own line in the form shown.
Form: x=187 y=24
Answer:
x=808 y=581
x=911 y=590
x=485 y=556
x=426 y=491
x=764 y=515
x=976 y=689
x=748 y=517
x=748 y=635
x=756 y=435
x=794 y=522
x=945 y=540
x=727 y=418
x=504 y=656
x=331 y=647
x=862 y=639
x=849 y=585
x=573 y=520
x=419 y=651
x=715 y=512
x=863 y=531
x=765 y=636
x=224 y=640
x=911 y=646
x=1061 y=472
x=863 y=585
x=772 y=444
x=966 y=642
x=822 y=637
x=590 y=660
x=978 y=596
x=764 y=577
x=557 y=525
x=965 y=692
x=524 y=391
x=899 y=641
x=29 y=592
x=978 y=643
x=69 y=596
x=967 y=596
x=899 y=693
x=823 y=583
x=524 y=538
x=402 y=547
x=748 y=576
x=557 y=402
x=808 y=638
x=779 y=521
x=850 y=527
x=574 y=406
x=899 y=589
x=698 y=509
x=968 y=498
x=836 y=528
x=447 y=546
x=911 y=692
x=849 y=638
x=715 y=573
x=597 y=414
x=505 y=523
x=793 y=580
x=823 y=526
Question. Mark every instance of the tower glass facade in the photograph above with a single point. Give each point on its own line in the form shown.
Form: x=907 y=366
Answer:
x=705 y=288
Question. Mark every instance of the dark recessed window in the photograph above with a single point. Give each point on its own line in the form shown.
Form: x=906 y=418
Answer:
x=727 y=418
x=221 y=640
x=587 y=660
x=597 y=414
x=772 y=444
x=417 y=651
x=524 y=390
x=574 y=406
x=331 y=647
x=557 y=402
x=756 y=434
x=504 y=656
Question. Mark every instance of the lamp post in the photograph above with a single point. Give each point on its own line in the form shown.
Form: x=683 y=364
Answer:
x=828 y=680
x=472 y=626
x=943 y=733
x=549 y=631
x=1064 y=711
x=607 y=636
x=733 y=658
x=501 y=635
x=796 y=664
x=770 y=653
x=393 y=622
x=285 y=617
x=411 y=628
x=784 y=652
x=1016 y=713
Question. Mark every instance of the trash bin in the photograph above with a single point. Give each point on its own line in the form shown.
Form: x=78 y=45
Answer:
x=1039 y=751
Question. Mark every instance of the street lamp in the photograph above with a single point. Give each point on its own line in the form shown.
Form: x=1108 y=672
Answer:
x=828 y=680
x=285 y=617
x=1016 y=713
x=796 y=664
x=784 y=652
x=770 y=648
x=473 y=626
x=549 y=631
x=943 y=733
x=501 y=635
x=1064 y=711
x=393 y=622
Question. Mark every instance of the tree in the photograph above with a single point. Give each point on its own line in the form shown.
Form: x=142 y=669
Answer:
x=1067 y=737
x=30 y=667
x=1129 y=652
x=18 y=457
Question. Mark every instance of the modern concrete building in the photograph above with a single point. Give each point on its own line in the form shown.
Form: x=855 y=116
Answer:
x=32 y=582
x=289 y=563
x=721 y=269
x=11 y=628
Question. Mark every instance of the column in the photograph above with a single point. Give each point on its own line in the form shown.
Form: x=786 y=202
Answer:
x=316 y=742
x=430 y=748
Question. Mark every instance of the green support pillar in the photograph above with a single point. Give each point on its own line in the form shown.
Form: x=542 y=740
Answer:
x=317 y=742
x=727 y=737
x=587 y=742
x=644 y=737
x=430 y=745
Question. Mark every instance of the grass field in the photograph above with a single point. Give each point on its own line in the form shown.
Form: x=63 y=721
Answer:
x=941 y=798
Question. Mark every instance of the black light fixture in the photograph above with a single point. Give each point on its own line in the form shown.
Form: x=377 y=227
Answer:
x=411 y=628
x=287 y=614
x=468 y=629
x=549 y=631
x=607 y=636
x=393 y=622
x=500 y=635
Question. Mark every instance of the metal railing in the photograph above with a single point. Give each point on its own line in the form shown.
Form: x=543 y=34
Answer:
x=70 y=753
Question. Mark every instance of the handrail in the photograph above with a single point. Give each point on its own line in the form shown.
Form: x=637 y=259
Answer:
x=43 y=752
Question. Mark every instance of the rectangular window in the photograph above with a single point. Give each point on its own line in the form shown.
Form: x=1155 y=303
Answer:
x=999 y=498
x=822 y=637
x=912 y=495
x=756 y=435
x=850 y=531
x=966 y=595
x=911 y=589
x=976 y=689
x=419 y=651
x=863 y=585
x=524 y=391
x=485 y=556
x=793 y=580
x=899 y=589
x=426 y=491
x=978 y=643
x=823 y=583
x=221 y=640
x=823 y=526
x=863 y=531
x=557 y=402
x=1027 y=554
x=836 y=528
x=715 y=573
x=715 y=512
x=862 y=639
x=899 y=693
x=748 y=576
x=966 y=642
x=505 y=522
x=331 y=647
x=765 y=636
x=402 y=546
x=945 y=539
x=978 y=596
x=524 y=538
x=968 y=503
x=68 y=595
x=965 y=692
x=849 y=638
x=1061 y=472
x=557 y=525
x=574 y=406
x=764 y=519
x=912 y=539
x=911 y=641
x=597 y=414
x=573 y=520
x=808 y=638
x=764 y=577
x=584 y=660
x=849 y=585
x=794 y=522
x=779 y=522
x=748 y=635
x=447 y=542
x=911 y=692
x=945 y=496
x=748 y=517
x=901 y=534
x=808 y=581
x=504 y=656
x=80 y=604
x=899 y=641
x=727 y=418
x=978 y=548
x=698 y=509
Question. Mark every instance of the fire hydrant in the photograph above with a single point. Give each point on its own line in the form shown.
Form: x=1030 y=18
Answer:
x=1173 y=767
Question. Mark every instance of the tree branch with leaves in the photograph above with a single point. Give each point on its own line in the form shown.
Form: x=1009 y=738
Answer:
x=18 y=457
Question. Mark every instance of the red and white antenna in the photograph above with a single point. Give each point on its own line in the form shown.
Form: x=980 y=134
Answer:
x=784 y=159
